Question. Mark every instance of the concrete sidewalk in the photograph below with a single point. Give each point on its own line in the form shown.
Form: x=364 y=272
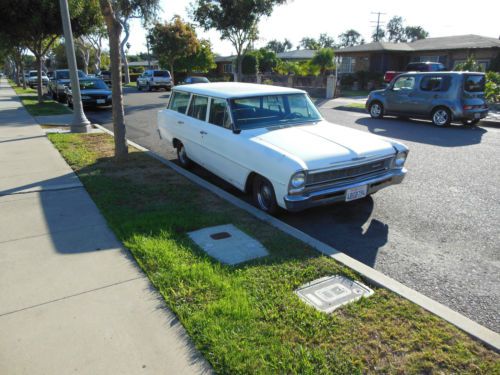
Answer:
x=72 y=299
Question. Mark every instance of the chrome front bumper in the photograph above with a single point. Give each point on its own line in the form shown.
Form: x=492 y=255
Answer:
x=295 y=203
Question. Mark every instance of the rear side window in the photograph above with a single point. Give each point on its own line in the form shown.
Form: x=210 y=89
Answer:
x=435 y=83
x=404 y=83
x=179 y=102
x=474 y=83
x=198 y=107
x=161 y=73
x=218 y=113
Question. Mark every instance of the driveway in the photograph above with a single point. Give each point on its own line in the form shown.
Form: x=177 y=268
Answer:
x=437 y=232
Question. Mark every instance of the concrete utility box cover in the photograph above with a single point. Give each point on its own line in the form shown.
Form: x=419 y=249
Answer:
x=329 y=293
x=228 y=244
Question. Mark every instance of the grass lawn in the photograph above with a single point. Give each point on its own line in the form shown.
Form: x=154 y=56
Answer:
x=48 y=107
x=356 y=105
x=131 y=84
x=246 y=319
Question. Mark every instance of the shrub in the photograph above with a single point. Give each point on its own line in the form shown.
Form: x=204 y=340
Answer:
x=492 y=89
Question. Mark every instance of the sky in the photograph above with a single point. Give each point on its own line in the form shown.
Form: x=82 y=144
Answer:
x=300 y=18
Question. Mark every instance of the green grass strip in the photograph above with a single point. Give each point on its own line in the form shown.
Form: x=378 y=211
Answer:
x=246 y=319
x=48 y=107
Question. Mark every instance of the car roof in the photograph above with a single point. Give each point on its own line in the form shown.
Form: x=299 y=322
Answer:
x=440 y=73
x=227 y=90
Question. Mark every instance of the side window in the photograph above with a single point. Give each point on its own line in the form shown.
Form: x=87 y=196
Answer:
x=435 y=83
x=179 y=102
x=404 y=83
x=219 y=114
x=198 y=107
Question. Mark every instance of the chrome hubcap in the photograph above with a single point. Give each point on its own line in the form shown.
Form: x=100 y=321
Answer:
x=182 y=155
x=375 y=110
x=440 y=117
x=264 y=196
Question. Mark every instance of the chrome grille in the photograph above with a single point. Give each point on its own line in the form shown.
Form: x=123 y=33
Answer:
x=341 y=174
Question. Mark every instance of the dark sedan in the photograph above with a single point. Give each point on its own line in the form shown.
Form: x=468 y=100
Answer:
x=94 y=93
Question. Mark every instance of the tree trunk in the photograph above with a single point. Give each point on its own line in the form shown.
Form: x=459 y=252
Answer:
x=172 y=73
x=123 y=44
x=97 y=63
x=239 y=67
x=39 y=89
x=114 y=30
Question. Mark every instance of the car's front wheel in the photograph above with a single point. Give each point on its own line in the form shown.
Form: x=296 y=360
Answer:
x=184 y=160
x=441 y=117
x=376 y=110
x=263 y=195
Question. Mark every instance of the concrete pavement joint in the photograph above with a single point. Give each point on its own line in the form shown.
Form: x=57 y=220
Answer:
x=485 y=335
x=43 y=189
x=72 y=296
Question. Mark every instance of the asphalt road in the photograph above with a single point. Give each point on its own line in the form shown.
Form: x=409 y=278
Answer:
x=437 y=232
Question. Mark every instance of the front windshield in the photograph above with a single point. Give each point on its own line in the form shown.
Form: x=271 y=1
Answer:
x=64 y=74
x=92 y=84
x=273 y=110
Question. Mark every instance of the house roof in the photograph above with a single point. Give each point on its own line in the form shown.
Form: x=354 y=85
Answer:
x=298 y=54
x=142 y=63
x=227 y=59
x=429 y=44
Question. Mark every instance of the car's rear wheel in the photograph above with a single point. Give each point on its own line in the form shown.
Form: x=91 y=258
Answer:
x=376 y=110
x=148 y=87
x=70 y=102
x=184 y=160
x=263 y=195
x=139 y=86
x=441 y=117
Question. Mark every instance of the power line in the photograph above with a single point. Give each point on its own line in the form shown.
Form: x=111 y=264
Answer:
x=378 y=24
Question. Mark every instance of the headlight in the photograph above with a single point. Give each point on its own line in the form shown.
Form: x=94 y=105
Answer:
x=86 y=97
x=400 y=159
x=109 y=97
x=297 y=182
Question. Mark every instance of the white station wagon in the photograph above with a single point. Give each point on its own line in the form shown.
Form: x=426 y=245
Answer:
x=272 y=142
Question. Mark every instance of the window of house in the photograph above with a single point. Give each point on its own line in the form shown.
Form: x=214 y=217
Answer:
x=429 y=58
x=404 y=83
x=219 y=114
x=347 y=65
x=198 y=107
x=179 y=101
x=228 y=68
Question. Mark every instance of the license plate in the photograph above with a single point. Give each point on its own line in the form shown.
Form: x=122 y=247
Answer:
x=100 y=101
x=477 y=115
x=356 y=193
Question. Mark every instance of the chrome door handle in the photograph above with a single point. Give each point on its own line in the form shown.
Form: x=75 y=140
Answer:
x=203 y=132
x=180 y=122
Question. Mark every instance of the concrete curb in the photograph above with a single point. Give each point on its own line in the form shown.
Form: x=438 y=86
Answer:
x=483 y=334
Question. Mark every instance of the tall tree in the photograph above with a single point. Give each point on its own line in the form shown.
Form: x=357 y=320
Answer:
x=94 y=38
x=378 y=35
x=38 y=31
x=350 y=38
x=414 y=33
x=235 y=20
x=201 y=61
x=323 y=59
x=277 y=46
x=326 y=41
x=172 y=41
x=111 y=11
x=309 y=43
x=395 y=30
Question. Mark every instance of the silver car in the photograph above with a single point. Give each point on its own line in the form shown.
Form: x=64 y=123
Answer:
x=440 y=96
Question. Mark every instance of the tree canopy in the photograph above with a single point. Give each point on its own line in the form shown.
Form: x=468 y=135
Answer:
x=236 y=20
x=350 y=38
x=277 y=46
x=323 y=59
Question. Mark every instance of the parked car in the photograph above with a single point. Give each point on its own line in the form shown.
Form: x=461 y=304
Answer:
x=194 y=79
x=58 y=83
x=24 y=77
x=427 y=66
x=33 y=79
x=94 y=92
x=105 y=75
x=272 y=142
x=154 y=79
x=441 y=96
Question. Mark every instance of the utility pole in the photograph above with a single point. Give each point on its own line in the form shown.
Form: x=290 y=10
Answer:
x=378 y=24
x=147 y=46
x=79 y=124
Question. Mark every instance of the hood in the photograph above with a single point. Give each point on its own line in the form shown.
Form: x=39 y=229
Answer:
x=324 y=144
x=95 y=92
x=63 y=81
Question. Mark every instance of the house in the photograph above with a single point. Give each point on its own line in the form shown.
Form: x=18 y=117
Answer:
x=153 y=64
x=225 y=63
x=378 y=57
